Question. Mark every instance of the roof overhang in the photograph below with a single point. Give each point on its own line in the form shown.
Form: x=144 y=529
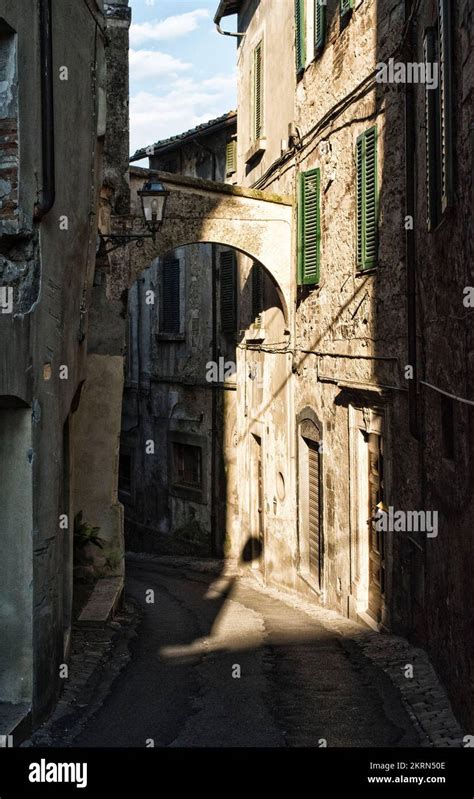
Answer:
x=226 y=9
x=161 y=149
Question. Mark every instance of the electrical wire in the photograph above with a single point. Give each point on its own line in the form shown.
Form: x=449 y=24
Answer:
x=446 y=393
x=359 y=91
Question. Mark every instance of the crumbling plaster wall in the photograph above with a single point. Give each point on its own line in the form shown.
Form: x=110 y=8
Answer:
x=44 y=331
x=96 y=423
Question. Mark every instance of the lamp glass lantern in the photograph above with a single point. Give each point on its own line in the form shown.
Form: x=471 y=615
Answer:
x=153 y=198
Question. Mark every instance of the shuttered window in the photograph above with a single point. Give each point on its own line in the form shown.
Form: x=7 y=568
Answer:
x=258 y=88
x=300 y=27
x=432 y=128
x=170 y=317
x=346 y=6
x=231 y=157
x=319 y=25
x=257 y=294
x=228 y=286
x=187 y=465
x=367 y=199
x=445 y=101
x=309 y=227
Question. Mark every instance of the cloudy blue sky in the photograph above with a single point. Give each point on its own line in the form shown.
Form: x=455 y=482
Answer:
x=182 y=72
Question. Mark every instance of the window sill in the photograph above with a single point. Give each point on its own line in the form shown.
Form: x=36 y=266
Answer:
x=257 y=149
x=363 y=272
x=187 y=493
x=125 y=497
x=255 y=334
x=170 y=337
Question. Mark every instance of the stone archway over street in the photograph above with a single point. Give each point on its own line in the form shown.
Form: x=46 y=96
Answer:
x=256 y=223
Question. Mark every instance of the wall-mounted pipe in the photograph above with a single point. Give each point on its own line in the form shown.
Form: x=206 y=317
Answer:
x=48 y=177
x=228 y=33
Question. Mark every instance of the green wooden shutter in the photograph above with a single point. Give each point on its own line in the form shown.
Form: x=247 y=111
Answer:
x=445 y=99
x=231 y=157
x=319 y=25
x=300 y=26
x=258 y=99
x=309 y=227
x=171 y=299
x=367 y=199
x=346 y=6
x=228 y=286
x=360 y=201
x=432 y=135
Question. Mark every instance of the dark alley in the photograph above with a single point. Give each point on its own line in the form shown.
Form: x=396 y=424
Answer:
x=218 y=662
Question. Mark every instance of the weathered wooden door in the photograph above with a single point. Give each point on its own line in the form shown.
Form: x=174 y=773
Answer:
x=314 y=530
x=376 y=537
x=260 y=499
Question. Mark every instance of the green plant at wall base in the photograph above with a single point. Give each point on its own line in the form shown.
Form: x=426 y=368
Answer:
x=85 y=534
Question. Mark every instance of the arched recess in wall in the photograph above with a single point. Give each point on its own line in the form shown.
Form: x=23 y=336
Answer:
x=310 y=498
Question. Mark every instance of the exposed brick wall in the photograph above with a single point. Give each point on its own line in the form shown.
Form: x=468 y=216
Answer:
x=8 y=174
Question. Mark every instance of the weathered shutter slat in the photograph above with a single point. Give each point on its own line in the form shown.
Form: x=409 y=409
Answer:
x=300 y=49
x=171 y=299
x=258 y=100
x=228 y=287
x=309 y=227
x=360 y=199
x=314 y=532
x=319 y=25
x=231 y=157
x=346 y=6
x=446 y=148
x=431 y=135
x=366 y=199
x=371 y=198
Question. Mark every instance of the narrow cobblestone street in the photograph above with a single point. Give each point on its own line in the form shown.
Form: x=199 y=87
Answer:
x=304 y=677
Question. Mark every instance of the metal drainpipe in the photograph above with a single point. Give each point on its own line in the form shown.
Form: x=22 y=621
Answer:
x=228 y=33
x=48 y=191
x=410 y=241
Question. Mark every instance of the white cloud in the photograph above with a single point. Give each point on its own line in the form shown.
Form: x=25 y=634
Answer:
x=153 y=64
x=169 y=28
x=188 y=103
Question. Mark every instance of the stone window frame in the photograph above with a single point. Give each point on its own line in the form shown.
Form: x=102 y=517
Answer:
x=188 y=492
x=366 y=417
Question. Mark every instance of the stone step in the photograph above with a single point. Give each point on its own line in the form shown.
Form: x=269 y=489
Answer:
x=103 y=602
x=15 y=723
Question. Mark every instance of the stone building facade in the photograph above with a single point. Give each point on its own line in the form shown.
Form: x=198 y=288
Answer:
x=53 y=58
x=367 y=389
x=177 y=322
